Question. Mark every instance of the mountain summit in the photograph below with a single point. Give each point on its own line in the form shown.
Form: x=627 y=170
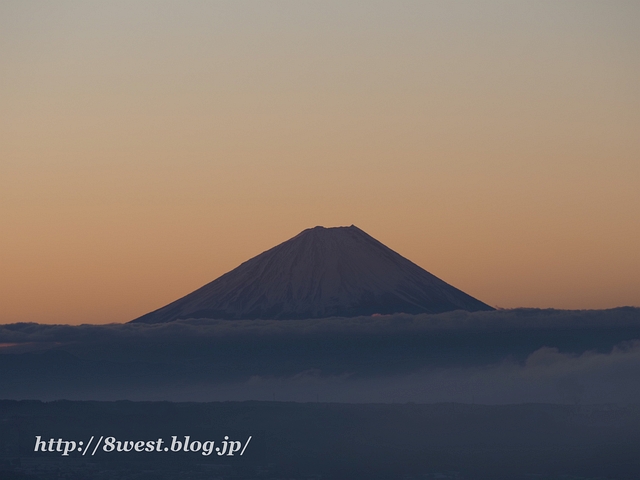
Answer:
x=321 y=272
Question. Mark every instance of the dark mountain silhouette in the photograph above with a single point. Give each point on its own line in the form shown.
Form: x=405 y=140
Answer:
x=321 y=272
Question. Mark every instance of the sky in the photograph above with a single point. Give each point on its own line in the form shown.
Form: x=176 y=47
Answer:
x=148 y=147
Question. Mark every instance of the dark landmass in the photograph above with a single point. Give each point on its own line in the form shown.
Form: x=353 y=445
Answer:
x=321 y=272
x=331 y=441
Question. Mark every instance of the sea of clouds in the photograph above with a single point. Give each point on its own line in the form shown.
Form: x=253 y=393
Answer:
x=500 y=357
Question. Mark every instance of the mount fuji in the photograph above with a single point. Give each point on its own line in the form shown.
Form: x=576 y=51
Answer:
x=321 y=272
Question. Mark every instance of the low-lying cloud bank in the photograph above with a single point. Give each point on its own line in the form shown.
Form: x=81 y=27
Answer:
x=508 y=356
x=546 y=377
x=521 y=318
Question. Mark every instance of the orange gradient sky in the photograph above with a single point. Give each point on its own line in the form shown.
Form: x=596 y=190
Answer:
x=148 y=147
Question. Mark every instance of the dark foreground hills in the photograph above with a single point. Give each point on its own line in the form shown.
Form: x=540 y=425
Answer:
x=319 y=273
x=294 y=441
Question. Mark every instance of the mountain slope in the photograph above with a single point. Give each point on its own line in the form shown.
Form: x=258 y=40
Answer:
x=320 y=272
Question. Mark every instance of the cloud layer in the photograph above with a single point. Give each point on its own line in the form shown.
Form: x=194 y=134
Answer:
x=509 y=356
